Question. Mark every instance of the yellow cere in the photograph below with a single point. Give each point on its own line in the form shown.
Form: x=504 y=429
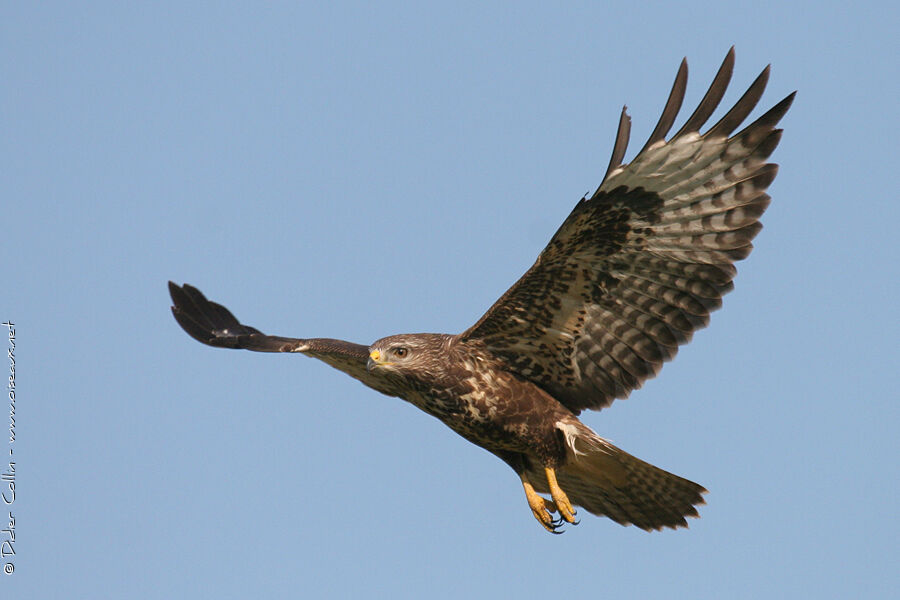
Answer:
x=375 y=355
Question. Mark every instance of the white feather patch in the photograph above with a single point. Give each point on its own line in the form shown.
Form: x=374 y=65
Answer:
x=570 y=432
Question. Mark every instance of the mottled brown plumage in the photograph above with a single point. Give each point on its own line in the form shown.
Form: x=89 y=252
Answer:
x=629 y=276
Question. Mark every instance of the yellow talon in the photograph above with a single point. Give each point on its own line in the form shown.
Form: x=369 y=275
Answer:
x=559 y=497
x=540 y=506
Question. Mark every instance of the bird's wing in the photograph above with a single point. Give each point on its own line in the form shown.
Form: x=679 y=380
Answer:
x=212 y=324
x=637 y=268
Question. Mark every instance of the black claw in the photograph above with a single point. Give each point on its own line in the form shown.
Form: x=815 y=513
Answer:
x=557 y=526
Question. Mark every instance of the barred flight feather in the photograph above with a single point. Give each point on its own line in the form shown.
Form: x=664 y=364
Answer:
x=637 y=268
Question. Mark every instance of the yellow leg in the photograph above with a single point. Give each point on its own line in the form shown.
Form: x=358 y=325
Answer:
x=540 y=507
x=559 y=497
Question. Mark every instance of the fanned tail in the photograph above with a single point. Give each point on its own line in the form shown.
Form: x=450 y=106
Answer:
x=605 y=480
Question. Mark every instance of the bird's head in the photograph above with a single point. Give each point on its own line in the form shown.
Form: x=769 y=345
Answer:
x=408 y=354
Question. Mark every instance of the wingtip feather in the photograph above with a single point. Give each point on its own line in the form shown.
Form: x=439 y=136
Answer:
x=734 y=117
x=673 y=105
x=712 y=98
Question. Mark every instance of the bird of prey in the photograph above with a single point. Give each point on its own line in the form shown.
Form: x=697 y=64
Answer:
x=629 y=276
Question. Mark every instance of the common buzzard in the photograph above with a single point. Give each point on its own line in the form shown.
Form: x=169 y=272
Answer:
x=629 y=276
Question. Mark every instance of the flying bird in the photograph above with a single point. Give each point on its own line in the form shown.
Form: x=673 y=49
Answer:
x=631 y=274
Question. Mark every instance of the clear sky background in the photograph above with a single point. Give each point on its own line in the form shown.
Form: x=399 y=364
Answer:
x=351 y=171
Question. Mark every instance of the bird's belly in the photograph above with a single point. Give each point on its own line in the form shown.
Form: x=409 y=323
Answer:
x=485 y=421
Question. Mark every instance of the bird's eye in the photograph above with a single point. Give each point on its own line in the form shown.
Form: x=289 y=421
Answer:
x=400 y=352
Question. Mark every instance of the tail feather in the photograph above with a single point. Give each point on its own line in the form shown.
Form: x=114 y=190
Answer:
x=605 y=480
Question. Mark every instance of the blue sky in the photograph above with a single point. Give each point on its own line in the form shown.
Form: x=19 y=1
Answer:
x=354 y=172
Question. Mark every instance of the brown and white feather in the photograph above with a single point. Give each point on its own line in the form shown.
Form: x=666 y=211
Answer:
x=637 y=268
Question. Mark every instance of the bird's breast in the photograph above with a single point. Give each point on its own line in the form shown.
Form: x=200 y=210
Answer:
x=492 y=409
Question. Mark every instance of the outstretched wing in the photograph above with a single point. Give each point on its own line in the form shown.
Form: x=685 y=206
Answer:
x=212 y=324
x=637 y=268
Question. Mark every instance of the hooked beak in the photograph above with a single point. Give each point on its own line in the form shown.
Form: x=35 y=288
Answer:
x=374 y=360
